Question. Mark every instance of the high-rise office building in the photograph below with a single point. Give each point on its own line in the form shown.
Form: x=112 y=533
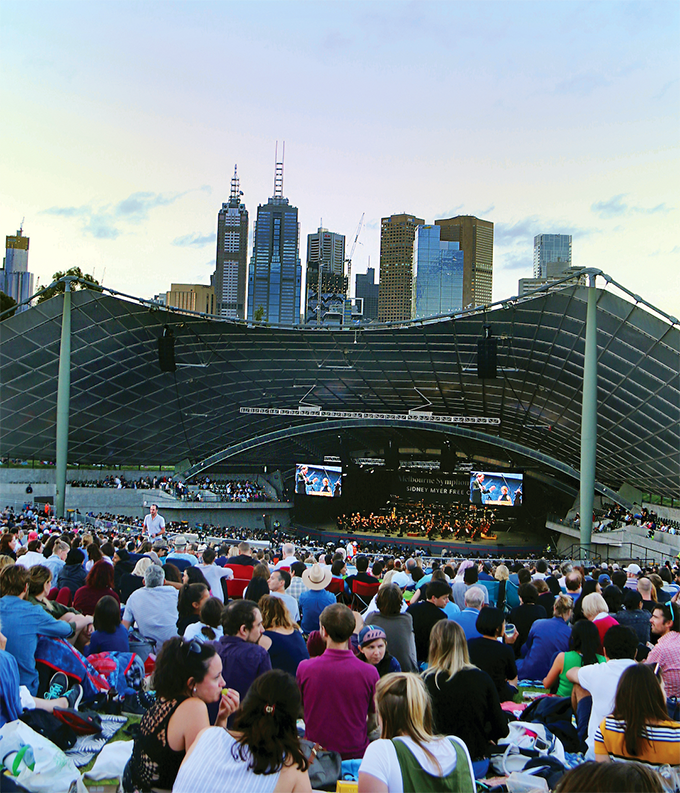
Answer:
x=552 y=254
x=191 y=297
x=325 y=261
x=231 y=265
x=475 y=238
x=15 y=280
x=368 y=291
x=437 y=274
x=275 y=274
x=397 y=233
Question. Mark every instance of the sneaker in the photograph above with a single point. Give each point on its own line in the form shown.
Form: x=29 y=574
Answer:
x=74 y=695
x=58 y=686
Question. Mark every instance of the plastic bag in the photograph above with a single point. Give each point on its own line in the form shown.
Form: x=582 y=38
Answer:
x=111 y=761
x=54 y=772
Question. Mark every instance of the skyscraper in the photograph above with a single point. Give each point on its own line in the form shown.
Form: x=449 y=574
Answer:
x=275 y=274
x=15 y=280
x=552 y=254
x=325 y=256
x=231 y=265
x=397 y=233
x=367 y=289
x=475 y=238
x=437 y=274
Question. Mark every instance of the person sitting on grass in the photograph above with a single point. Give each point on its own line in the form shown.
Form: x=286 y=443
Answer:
x=109 y=635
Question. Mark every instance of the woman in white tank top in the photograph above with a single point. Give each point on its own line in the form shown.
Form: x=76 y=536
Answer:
x=261 y=755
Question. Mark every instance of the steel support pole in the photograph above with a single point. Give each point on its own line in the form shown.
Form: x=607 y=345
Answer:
x=589 y=420
x=63 y=402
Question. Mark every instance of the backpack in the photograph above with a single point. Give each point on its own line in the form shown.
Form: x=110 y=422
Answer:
x=50 y=727
x=555 y=713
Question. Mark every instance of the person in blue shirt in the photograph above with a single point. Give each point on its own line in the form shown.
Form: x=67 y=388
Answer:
x=316 y=598
x=23 y=622
x=467 y=619
x=546 y=639
x=109 y=635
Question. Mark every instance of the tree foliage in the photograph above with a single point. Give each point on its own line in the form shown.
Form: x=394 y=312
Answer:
x=258 y=314
x=59 y=289
x=7 y=302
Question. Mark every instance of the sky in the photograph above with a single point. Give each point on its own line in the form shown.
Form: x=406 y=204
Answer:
x=121 y=124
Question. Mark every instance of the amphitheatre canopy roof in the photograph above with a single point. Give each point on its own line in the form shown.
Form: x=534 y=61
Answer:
x=125 y=410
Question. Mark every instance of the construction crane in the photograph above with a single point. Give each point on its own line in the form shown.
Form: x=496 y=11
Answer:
x=348 y=261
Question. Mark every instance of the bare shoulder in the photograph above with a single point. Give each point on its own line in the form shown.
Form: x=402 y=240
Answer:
x=292 y=780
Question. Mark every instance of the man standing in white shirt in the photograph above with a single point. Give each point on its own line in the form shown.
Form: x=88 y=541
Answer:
x=154 y=524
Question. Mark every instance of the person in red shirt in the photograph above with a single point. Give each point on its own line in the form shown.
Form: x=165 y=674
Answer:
x=99 y=582
x=337 y=688
x=596 y=610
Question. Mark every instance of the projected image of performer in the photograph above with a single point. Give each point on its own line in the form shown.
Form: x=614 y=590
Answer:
x=326 y=487
x=337 y=487
x=303 y=480
x=505 y=495
x=518 y=497
x=479 y=489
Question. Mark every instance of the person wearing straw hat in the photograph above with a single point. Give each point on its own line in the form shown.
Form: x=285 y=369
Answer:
x=316 y=598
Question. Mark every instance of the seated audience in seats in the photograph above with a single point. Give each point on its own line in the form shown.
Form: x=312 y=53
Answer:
x=312 y=602
x=278 y=583
x=258 y=584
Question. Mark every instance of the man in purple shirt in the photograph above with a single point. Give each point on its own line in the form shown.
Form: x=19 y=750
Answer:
x=337 y=689
x=242 y=657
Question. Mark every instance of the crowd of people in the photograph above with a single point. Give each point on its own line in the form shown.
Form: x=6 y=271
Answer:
x=409 y=671
x=616 y=517
x=431 y=521
x=230 y=490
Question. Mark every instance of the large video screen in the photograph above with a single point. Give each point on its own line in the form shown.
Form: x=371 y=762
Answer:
x=493 y=489
x=318 y=480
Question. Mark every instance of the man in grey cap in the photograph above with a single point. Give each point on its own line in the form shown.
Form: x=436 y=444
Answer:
x=179 y=546
x=632 y=571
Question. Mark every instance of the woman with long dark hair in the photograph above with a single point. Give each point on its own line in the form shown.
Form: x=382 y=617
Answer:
x=262 y=752
x=188 y=677
x=258 y=585
x=639 y=728
x=189 y=603
x=98 y=584
x=584 y=649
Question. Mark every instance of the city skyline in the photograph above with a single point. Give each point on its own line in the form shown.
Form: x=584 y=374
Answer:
x=119 y=148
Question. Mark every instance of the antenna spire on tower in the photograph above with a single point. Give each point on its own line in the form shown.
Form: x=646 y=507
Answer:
x=235 y=191
x=278 y=170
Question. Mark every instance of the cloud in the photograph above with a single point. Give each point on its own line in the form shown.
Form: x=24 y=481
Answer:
x=517 y=261
x=519 y=232
x=582 y=84
x=197 y=240
x=616 y=207
x=104 y=221
x=65 y=212
x=449 y=213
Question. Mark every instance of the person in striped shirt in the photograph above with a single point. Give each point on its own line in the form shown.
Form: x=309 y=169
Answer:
x=639 y=728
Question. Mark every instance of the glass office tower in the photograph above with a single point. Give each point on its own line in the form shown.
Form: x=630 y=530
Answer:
x=437 y=274
x=275 y=274
x=231 y=266
x=552 y=254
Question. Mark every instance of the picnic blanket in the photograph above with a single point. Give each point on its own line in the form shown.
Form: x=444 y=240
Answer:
x=89 y=745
